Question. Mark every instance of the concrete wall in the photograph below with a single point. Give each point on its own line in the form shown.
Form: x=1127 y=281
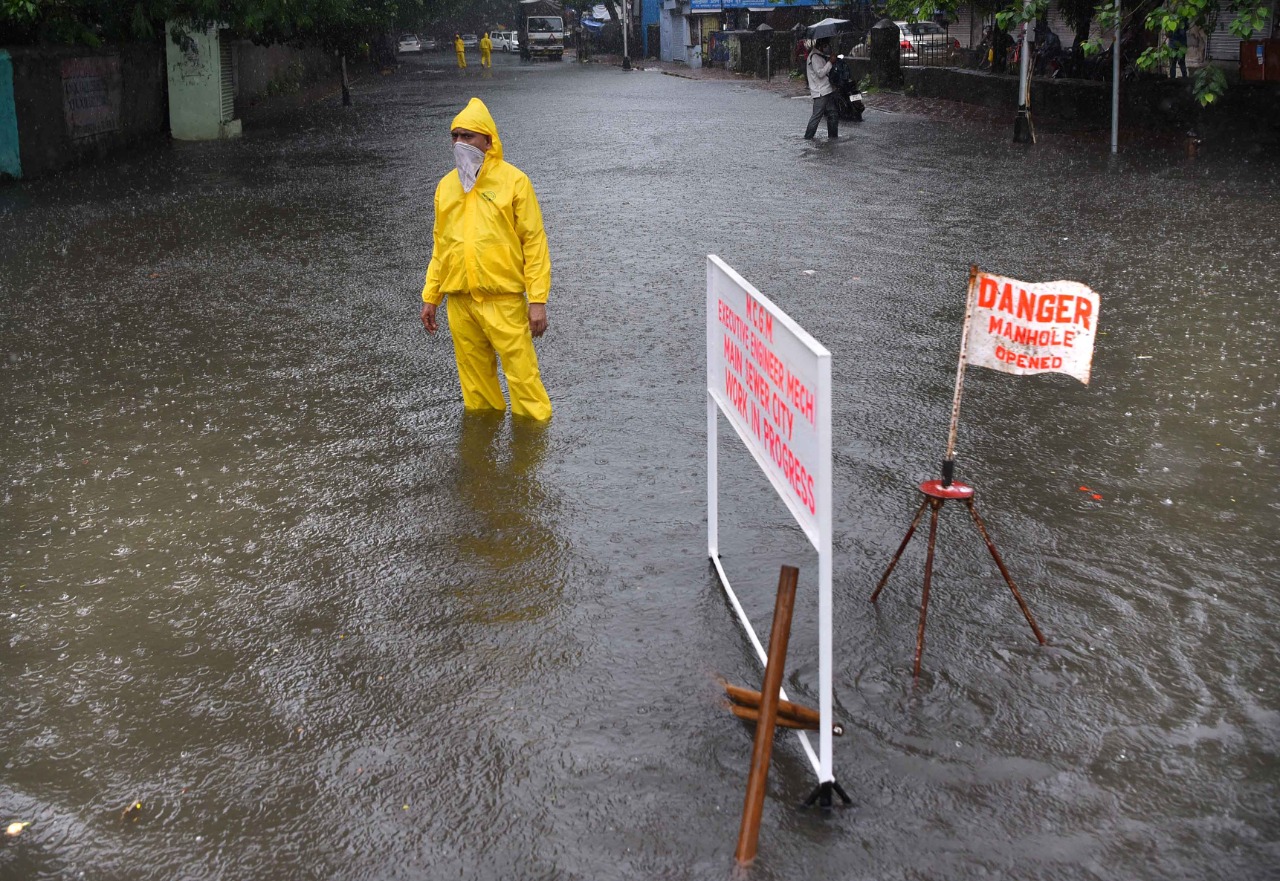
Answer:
x=197 y=111
x=75 y=104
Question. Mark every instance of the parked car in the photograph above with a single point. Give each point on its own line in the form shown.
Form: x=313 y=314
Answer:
x=409 y=43
x=497 y=38
x=470 y=41
x=923 y=41
x=429 y=44
x=512 y=42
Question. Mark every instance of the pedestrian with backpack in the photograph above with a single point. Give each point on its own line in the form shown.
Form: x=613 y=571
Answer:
x=818 y=72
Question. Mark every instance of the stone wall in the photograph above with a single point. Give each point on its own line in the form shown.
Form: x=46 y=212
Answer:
x=77 y=104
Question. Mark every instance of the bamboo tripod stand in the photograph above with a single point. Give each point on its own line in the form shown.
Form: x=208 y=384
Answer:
x=936 y=494
x=939 y=492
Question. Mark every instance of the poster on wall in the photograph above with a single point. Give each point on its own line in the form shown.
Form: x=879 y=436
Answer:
x=91 y=96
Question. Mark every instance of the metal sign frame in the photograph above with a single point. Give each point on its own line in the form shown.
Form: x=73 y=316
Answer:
x=748 y=334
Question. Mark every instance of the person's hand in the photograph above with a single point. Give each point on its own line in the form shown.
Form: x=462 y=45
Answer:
x=537 y=318
x=429 y=317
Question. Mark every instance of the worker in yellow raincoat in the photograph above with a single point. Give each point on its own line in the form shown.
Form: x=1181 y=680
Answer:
x=460 y=48
x=486 y=51
x=489 y=251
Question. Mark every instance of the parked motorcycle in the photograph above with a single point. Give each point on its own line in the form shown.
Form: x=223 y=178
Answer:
x=849 y=102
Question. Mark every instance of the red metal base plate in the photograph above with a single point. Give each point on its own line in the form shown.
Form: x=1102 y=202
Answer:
x=957 y=490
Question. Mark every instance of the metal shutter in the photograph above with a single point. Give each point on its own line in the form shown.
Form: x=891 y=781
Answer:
x=1223 y=45
x=967 y=27
x=228 y=71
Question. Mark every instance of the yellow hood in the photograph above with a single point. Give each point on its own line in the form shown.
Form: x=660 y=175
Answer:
x=475 y=117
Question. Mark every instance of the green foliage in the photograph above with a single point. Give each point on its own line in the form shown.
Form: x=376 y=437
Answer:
x=1078 y=13
x=1209 y=83
x=18 y=10
x=331 y=24
x=1025 y=13
x=288 y=81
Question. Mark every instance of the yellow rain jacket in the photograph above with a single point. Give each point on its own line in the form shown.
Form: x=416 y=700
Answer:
x=489 y=251
x=489 y=241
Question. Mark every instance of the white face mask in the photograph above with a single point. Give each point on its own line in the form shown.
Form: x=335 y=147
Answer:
x=468 y=159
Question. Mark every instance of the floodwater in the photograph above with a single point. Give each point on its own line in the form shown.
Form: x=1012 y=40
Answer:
x=261 y=575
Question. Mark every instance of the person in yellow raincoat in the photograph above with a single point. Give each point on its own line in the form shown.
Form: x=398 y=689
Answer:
x=489 y=251
x=460 y=48
x=486 y=51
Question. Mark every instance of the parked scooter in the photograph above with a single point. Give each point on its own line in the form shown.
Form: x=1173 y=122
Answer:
x=849 y=103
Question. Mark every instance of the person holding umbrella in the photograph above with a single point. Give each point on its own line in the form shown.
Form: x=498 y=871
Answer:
x=818 y=71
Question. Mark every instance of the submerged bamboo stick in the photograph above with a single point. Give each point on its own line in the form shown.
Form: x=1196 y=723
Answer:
x=748 y=698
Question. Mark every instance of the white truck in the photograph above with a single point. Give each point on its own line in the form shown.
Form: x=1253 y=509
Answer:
x=541 y=32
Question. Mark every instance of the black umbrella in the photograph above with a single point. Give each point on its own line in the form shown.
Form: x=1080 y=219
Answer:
x=829 y=27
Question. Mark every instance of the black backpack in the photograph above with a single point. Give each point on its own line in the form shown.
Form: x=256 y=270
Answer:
x=840 y=75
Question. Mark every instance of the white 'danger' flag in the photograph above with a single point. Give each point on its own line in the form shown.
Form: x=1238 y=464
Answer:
x=1023 y=328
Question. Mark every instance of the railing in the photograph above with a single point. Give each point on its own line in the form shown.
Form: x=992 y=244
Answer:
x=934 y=53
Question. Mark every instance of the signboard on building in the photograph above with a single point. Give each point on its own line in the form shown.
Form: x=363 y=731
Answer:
x=91 y=96
x=717 y=5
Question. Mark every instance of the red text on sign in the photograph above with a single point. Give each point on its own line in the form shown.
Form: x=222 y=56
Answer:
x=761 y=318
x=1029 y=362
x=796 y=474
x=732 y=355
x=1044 y=308
x=1017 y=333
x=737 y=394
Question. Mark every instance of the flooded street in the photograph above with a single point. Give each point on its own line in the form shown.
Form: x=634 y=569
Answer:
x=261 y=575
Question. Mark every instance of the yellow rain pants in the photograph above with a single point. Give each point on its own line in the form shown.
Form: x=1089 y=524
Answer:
x=496 y=325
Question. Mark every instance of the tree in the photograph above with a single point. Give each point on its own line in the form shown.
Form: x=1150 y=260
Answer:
x=331 y=24
x=1176 y=16
x=1078 y=14
x=1156 y=17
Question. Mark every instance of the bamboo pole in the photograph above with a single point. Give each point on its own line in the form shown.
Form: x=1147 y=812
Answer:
x=779 y=635
x=748 y=698
x=751 y=714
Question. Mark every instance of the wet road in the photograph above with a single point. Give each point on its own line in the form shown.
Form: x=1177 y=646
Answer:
x=260 y=574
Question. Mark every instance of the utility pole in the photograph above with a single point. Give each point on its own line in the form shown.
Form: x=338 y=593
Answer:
x=1023 y=131
x=1115 y=83
x=626 y=26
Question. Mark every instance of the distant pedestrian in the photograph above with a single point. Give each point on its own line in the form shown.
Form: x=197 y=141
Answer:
x=490 y=258
x=460 y=48
x=1178 y=46
x=486 y=51
x=818 y=71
